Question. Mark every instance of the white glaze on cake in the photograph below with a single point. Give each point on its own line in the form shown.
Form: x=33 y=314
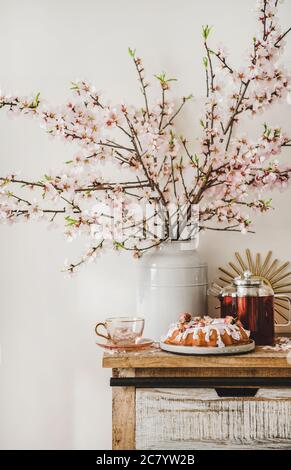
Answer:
x=206 y=325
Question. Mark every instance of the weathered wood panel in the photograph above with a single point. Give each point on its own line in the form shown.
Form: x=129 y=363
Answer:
x=123 y=415
x=199 y=419
x=154 y=358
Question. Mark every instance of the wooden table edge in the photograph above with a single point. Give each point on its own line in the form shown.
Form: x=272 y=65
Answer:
x=258 y=359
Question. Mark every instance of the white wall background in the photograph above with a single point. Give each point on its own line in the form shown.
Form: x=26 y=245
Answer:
x=54 y=393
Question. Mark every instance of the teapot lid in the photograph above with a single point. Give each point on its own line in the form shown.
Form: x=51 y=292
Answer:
x=247 y=279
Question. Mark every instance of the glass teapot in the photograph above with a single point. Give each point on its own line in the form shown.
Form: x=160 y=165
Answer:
x=251 y=300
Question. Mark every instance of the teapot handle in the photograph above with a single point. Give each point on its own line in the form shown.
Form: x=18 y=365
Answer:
x=282 y=296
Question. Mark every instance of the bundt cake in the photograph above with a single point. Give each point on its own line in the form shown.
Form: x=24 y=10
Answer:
x=206 y=331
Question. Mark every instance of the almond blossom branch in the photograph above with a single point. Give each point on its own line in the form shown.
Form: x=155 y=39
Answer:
x=223 y=176
x=222 y=60
x=140 y=70
x=282 y=36
x=173 y=117
x=228 y=228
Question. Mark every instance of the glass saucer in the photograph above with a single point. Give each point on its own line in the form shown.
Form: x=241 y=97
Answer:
x=142 y=343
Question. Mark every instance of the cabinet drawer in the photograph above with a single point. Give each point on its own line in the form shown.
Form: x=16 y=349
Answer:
x=201 y=419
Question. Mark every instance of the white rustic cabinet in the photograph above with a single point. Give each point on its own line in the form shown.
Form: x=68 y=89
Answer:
x=166 y=401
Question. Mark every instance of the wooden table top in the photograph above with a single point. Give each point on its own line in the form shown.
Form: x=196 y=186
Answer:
x=155 y=358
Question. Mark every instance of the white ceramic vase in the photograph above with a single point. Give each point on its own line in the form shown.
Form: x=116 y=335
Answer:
x=171 y=279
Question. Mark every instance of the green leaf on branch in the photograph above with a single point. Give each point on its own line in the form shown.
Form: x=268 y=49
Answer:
x=163 y=79
x=4 y=182
x=202 y=124
x=172 y=137
x=267 y=130
x=131 y=52
x=118 y=245
x=206 y=30
x=71 y=221
x=205 y=62
x=262 y=204
x=268 y=203
x=277 y=132
x=34 y=104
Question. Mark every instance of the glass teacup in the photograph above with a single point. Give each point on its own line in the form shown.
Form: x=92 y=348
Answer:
x=121 y=330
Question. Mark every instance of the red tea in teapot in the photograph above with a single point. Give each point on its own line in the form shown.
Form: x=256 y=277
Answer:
x=255 y=313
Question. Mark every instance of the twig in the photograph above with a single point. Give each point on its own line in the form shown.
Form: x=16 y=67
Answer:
x=184 y=99
x=224 y=229
x=282 y=37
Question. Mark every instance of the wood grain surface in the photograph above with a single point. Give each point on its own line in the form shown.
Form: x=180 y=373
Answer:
x=199 y=419
x=123 y=416
x=155 y=358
